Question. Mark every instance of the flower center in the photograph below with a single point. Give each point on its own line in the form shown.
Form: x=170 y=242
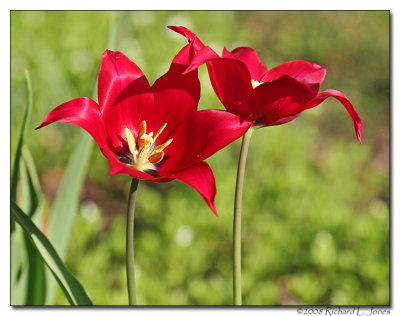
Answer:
x=143 y=152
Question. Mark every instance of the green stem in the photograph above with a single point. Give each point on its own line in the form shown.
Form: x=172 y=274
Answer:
x=130 y=265
x=237 y=221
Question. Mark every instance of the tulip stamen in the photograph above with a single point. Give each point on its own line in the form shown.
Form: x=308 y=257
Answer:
x=255 y=83
x=143 y=152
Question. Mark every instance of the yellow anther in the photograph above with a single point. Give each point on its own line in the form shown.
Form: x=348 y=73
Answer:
x=131 y=141
x=142 y=131
x=255 y=83
x=160 y=131
x=142 y=128
x=156 y=157
x=161 y=147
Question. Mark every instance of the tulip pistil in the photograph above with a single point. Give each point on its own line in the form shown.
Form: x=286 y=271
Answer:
x=143 y=152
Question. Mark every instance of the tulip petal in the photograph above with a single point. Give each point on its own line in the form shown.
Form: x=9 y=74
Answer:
x=200 y=135
x=358 y=125
x=175 y=95
x=231 y=81
x=201 y=178
x=301 y=70
x=202 y=56
x=83 y=112
x=123 y=93
x=278 y=99
x=229 y=77
x=190 y=36
x=250 y=58
x=117 y=73
x=286 y=119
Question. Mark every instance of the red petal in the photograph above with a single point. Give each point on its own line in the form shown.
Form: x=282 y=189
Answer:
x=301 y=70
x=171 y=98
x=202 y=56
x=117 y=73
x=358 y=125
x=200 y=135
x=190 y=36
x=250 y=58
x=175 y=95
x=128 y=114
x=123 y=95
x=83 y=112
x=184 y=56
x=201 y=178
x=286 y=119
x=232 y=83
x=278 y=99
x=160 y=180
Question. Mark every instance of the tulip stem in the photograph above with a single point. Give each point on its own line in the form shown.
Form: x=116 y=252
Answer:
x=130 y=266
x=237 y=221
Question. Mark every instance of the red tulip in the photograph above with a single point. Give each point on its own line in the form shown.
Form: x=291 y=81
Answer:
x=267 y=97
x=153 y=132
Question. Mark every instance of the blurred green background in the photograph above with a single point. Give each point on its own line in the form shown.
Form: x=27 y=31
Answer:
x=316 y=202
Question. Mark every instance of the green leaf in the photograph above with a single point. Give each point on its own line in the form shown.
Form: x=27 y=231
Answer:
x=68 y=196
x=17 y=157
x=32 y=193
x=67 y=201
x=20 y=270
x=19 y=267
x=31 y=196
x=73 y=290
x=36 y=286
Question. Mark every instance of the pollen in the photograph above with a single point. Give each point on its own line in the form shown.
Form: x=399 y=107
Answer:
x=255 y=83
x=144 y=152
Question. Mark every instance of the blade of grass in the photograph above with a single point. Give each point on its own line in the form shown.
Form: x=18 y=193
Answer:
x=36 y=282
x=17 y=157
x=30 y=183
x=36 y=279
x=19 y=260
x=71 y=287
x=19 y=267
x=67 y=201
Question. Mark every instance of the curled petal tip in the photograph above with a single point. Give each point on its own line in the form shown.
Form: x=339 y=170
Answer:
x=341 y=97
x=43 y=124
x=215 y=212
x=358 y=133
x=211 y=205
x=107 y=52
x=358 y=125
